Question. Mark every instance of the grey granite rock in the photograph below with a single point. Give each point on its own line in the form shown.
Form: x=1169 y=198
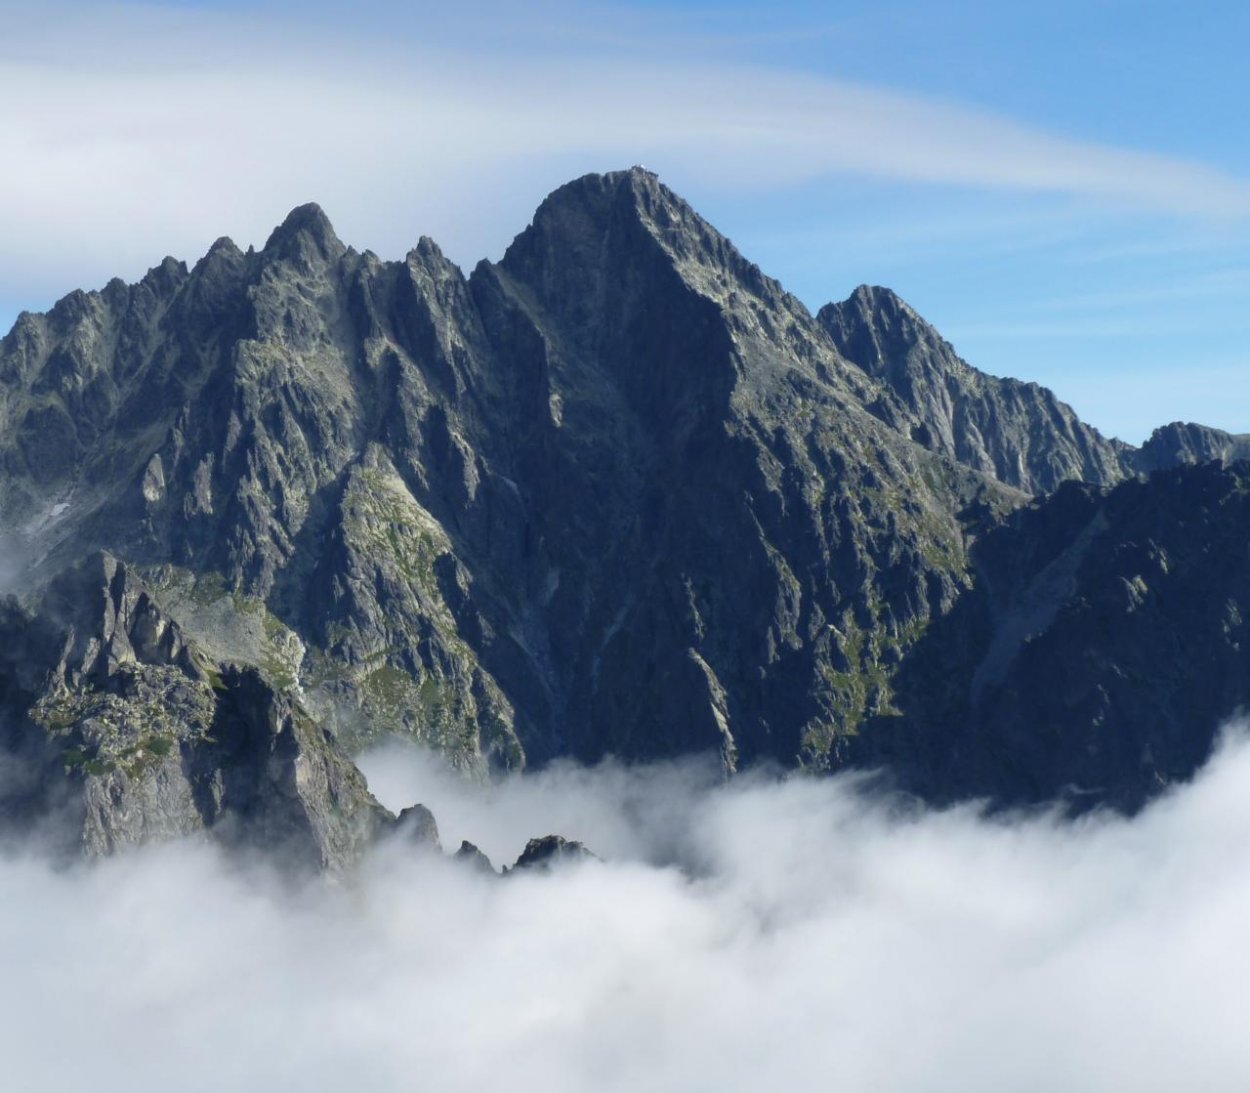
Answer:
x=618 y=493
x=470 y=855
x=1099 y=651
x=417 y=827
x=1019 y=433
x=1184 y=442
x=505 y=514
x=550 y=851
x=139 y=738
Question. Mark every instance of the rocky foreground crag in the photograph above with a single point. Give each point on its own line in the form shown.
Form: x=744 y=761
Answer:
x=618 y=493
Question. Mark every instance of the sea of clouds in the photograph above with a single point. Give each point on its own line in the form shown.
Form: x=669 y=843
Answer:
x=768 y=934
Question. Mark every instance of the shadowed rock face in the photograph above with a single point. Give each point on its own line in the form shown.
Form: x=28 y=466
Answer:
x=1183 y=442
x=1102 y=643
x=550 y=851
x=617 y=494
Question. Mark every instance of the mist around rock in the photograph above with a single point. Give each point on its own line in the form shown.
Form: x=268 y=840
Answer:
x=767 y=933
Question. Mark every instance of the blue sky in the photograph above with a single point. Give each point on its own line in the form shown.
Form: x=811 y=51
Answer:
x=1063 y=189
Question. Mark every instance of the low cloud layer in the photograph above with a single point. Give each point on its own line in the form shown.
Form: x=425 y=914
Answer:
x=761 y=935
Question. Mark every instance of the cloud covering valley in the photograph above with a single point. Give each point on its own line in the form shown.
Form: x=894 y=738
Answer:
x=767 y=933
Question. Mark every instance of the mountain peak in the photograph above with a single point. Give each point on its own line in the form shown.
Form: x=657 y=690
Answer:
x=1017 y=432
x=881 y=301
x=1187 y=442
x=629 y=213
x=304 y=225
x=631 y=179
x=594 y=198
x=580 y=225
x=878 y=330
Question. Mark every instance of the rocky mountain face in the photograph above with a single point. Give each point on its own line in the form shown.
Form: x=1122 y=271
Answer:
x=1018 y=433
x=136 y=737
x=1183 y=442
x=1102 y=642
x=618 y=493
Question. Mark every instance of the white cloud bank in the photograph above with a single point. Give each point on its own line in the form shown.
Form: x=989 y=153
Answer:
x=134 y=130
x=813 y=940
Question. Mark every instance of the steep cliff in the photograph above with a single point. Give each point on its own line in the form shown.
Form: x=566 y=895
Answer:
x=1101 y=645
x=618 y=493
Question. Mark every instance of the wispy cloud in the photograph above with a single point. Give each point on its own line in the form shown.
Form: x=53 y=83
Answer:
x=140 y=130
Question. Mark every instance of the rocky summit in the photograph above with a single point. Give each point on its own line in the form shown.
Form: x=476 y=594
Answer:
x=618 y=493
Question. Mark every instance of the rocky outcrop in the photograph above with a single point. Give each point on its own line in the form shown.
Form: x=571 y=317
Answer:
x=550 y=851
x=1183 y=442
x=417 y=827
x=1018 y=433
x=140 y=738
x=474 y=858
x=618 y=493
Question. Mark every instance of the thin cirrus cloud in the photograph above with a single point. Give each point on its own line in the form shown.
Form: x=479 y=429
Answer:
x=763 y=934
x=142 y=131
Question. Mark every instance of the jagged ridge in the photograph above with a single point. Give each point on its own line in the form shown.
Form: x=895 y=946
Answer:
x=617 y=493
x=1019 y=433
